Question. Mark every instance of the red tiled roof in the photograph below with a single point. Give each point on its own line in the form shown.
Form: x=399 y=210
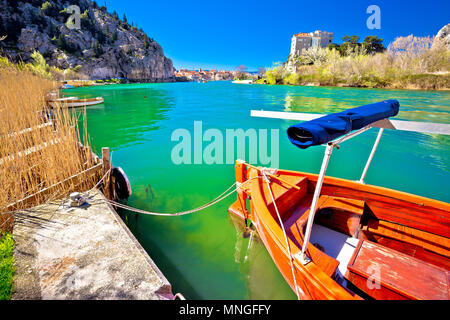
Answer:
x=302 y=34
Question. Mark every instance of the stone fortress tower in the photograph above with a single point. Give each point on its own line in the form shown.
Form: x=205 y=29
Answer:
x=314 y=39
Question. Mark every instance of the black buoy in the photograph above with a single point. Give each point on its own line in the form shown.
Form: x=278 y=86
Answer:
x=121 y=183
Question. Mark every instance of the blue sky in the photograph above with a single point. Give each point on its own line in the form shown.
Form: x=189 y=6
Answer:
x=224 y=34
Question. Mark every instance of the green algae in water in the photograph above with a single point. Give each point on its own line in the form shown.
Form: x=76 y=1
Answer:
x=203 y=254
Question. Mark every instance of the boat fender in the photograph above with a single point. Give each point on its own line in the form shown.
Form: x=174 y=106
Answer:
x=121 y=183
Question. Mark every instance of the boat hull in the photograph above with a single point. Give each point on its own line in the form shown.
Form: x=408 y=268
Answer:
x=76 y=103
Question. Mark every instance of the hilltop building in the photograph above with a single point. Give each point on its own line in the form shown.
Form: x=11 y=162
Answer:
x=314 y=39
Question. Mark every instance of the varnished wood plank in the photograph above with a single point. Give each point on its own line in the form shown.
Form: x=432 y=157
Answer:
x=395 y=271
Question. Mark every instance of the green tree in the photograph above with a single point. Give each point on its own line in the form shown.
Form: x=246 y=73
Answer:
x=39 y=65
x=97 y=48
x=351 y=39
x=373 y=44
x=350 y=45
x=114 y=36
x=240 y=73
x=146 y=41
x=46 y=6
x=332 y=46
x=48 y=9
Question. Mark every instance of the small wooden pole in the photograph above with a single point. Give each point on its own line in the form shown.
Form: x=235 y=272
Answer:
x=105 y=168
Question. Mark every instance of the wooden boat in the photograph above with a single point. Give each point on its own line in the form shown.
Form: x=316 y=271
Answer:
x=333 y=238
x=73 y=102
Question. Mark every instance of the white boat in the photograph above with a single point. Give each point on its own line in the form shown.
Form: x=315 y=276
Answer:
x=66 y=98
x=73 y=102
x=248 y=81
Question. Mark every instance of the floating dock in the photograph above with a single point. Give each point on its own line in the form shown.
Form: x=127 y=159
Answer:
x=82 y=253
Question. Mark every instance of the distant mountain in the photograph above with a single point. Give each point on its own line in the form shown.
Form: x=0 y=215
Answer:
x=104 y=46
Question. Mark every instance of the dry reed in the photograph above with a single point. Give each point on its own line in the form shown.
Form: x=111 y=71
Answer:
x=35 y=154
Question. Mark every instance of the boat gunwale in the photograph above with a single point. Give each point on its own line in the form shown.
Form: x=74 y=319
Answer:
x=373 y=189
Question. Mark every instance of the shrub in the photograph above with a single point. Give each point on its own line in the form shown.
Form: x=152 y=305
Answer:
x=274 y=75
x=6 y=265
x=39 y=67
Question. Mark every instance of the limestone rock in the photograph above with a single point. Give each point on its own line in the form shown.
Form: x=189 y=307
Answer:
x=444 y=35
x=104 y=46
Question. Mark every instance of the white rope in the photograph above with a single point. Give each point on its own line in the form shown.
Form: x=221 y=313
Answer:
x=266 y=179
x=219 y=198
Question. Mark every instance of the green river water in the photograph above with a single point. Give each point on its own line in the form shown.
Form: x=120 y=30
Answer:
x=203 y=255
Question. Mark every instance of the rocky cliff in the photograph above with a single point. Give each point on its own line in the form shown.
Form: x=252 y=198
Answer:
x=444 y=35
x=104 y=46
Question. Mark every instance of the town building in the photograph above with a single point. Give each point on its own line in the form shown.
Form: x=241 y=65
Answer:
x=203 y=75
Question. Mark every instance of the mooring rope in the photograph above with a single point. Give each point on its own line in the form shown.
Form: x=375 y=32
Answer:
x=266 y=179
x=217 y=199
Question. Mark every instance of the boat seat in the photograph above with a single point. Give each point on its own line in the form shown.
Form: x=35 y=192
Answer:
x=384 y=273
x=423 y=239
x=345 y=215
x=350 y=205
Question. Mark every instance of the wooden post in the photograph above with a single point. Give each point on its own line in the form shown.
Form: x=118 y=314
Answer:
x=105 y=168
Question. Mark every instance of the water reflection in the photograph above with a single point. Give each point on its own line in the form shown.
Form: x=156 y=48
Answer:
x=127 y=114
x=414 y=106
x=261 y=281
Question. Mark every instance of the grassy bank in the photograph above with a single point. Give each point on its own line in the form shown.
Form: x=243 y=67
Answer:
x=6 y=265
x=409 y=63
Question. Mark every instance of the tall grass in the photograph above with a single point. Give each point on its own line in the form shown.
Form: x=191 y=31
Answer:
x=33 y=155
x=410 y=63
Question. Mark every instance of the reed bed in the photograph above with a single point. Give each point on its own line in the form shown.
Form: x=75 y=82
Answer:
x=39 y=146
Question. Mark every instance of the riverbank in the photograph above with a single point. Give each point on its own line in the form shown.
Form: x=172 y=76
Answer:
x=439 y=82
x=409 y=63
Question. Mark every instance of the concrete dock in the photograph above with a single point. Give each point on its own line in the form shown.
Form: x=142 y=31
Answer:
x=82 y=253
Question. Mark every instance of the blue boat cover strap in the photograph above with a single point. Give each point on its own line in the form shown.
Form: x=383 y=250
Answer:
x=335 y=125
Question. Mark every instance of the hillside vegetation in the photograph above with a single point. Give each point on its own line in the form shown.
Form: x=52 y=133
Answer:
x=409 y=62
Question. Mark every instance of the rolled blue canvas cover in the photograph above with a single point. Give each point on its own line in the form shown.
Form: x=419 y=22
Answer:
x=335 y=125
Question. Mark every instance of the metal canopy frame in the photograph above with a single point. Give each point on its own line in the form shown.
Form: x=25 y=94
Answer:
x=326 y=159
x=422 y=127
